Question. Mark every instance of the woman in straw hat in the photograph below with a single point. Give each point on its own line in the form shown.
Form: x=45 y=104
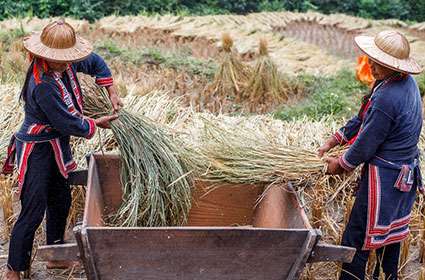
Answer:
x=384 y=137
x=53 y=113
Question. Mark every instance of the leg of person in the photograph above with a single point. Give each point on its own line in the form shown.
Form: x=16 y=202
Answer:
x=58 y=205
x=355 y=270
x=387 y=261
x=33 y=201
x=354 y=235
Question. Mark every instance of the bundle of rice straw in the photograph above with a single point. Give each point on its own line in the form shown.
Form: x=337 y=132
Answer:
x=156 y=182
x=266 y=85
x=235 y=155
x=231 y=77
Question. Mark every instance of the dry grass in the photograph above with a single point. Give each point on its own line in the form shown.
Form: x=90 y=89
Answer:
x=267 y=88
x=7 y=184
x=230 y=80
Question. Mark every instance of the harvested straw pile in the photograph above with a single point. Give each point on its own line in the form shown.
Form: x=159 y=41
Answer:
x=267 y=88
x=156 y=186
x=230 y=79
x=265 y=85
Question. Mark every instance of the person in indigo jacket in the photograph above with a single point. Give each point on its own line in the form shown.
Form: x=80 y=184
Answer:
x=53 y=113
x=384 y=138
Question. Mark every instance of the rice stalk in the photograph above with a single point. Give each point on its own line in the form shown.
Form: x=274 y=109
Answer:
x=155 y=179
x=371 y=262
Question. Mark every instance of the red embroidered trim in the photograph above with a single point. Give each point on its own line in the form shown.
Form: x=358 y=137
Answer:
x=27 y=149
x=92 y=128
x=104 y=82
x=392 y=238
x=345 y=164
x=75 y=87
x=372 y=216
x=59 y=156
x=339 y=137
x=70 y=166
x=9 y=163
x=66 y=96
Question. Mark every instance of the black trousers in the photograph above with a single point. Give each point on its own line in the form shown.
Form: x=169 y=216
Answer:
x=387 y=261
x=45 y=191
x=354 y=236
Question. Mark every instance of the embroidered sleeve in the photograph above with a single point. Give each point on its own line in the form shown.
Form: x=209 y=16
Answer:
x=347 y=132
x=95 y=66
x=66 y=122
x=375 y=130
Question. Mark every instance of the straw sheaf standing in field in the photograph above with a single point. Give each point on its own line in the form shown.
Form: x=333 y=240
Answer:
x=53 y=113
x=384 y=137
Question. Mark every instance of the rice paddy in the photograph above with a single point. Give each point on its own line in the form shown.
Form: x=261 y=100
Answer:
x=204 y=92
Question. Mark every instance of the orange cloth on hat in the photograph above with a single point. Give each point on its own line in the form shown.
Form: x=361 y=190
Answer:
x=363 y=71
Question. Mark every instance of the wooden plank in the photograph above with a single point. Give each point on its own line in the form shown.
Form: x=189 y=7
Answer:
x=225 y=205
x=60 y=252
x=296 y=203
x=109 y=170
x=196 y=253
x=323 y=252
x=88 y=267
x=299 y=264
x=78 y=178
x=93 y=208
x=89 y=254
x=279 y=208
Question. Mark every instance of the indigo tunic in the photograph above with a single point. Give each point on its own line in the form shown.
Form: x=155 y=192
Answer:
x=54 y=113
x=384 y=137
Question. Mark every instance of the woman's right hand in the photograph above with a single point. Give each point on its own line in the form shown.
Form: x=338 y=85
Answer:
x=329 y=144
x=104 y=122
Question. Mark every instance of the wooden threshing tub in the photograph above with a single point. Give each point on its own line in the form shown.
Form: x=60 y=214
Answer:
x=226 y=237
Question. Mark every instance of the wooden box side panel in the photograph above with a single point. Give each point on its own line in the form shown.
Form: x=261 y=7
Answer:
x=223 y=205
x=279 y=208
x=109 y=167
x=197 y=253
x=93 y=208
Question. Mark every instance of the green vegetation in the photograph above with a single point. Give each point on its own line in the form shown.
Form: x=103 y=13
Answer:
x=336 y=96
x=176 y=60
x=8 y=37
x=421 y=83
x=412 y=10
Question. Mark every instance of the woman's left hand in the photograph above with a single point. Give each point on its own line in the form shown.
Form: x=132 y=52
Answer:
x=115 y=99
x=334 y=168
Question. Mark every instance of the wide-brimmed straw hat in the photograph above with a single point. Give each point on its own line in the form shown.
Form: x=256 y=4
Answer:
x=390 y=49
x=58 y=43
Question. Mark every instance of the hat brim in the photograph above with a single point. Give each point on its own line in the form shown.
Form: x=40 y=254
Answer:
x=368 y=46
x=79 y=51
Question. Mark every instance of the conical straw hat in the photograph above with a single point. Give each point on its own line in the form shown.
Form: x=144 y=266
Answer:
x=391 y=49
x=58 y=43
